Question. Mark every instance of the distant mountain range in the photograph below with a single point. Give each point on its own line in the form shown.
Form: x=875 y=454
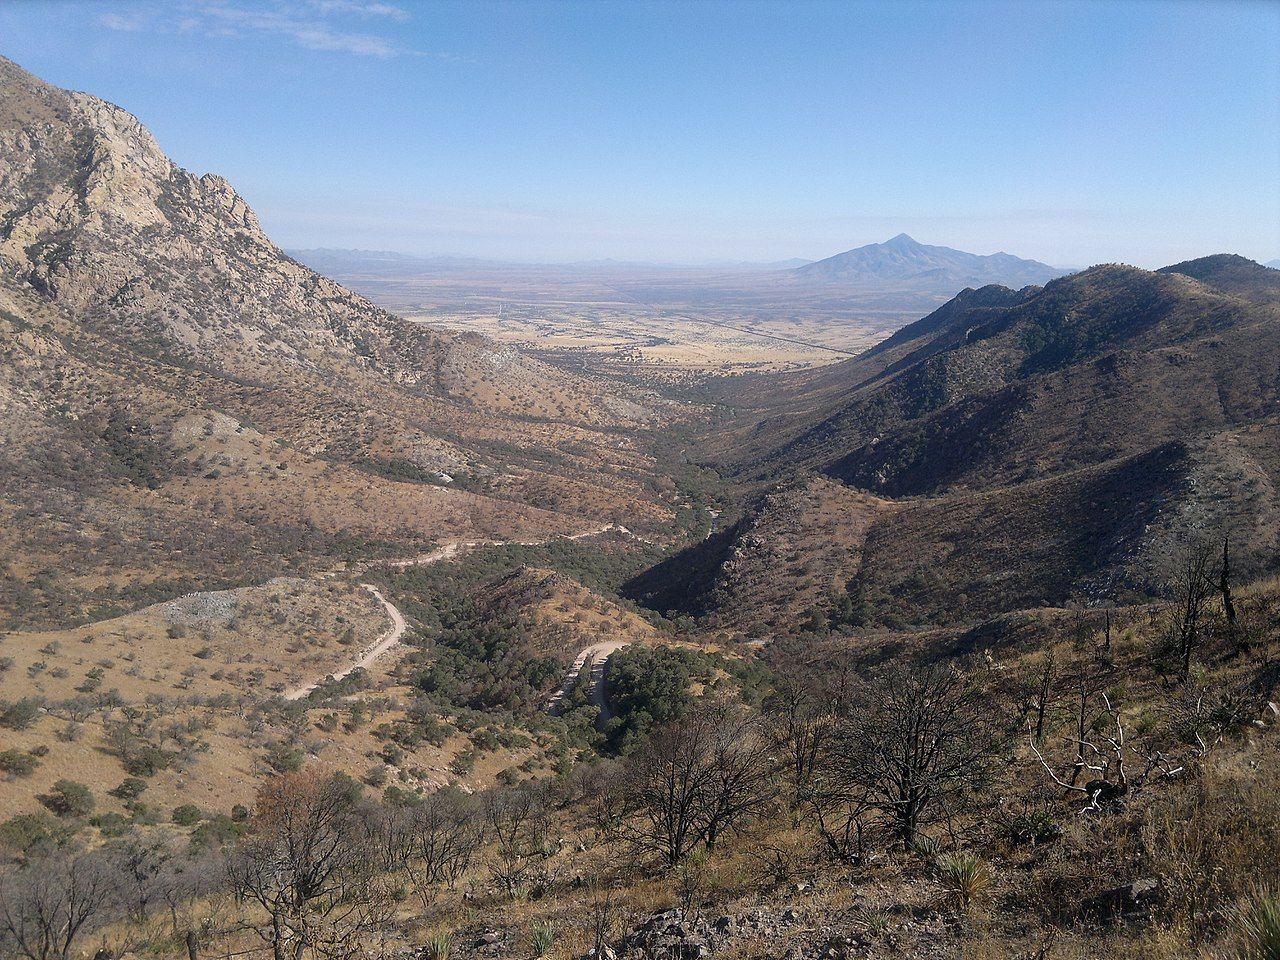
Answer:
x=904 y=260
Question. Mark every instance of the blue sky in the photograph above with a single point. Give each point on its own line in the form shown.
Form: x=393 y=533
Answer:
x=1070 y=132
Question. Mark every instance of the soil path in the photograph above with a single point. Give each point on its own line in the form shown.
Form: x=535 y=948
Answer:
x=391 y=638
x=590 y=663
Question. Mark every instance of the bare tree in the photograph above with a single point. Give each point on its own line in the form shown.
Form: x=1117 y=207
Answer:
x=515 y=821
x=917 y=744
x=305 y=866
x=1041 y=691
x=804 y=707
x=739 y=781
x=666 y=784
x=1088 y=677
x=139 y=862
x=841 y=806
x=1105 y=759
x=441 y=837
x=696 y=780
x=1187 y=624
x=1234 y=636
x=46 y=907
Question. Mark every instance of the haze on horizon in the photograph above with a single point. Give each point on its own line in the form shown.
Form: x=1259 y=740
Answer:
x=1069 y=133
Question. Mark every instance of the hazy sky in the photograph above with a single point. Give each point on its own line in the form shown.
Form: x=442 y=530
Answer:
x=1073 y=133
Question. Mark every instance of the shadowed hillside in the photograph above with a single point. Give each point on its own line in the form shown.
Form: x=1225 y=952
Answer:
x=1032 y=447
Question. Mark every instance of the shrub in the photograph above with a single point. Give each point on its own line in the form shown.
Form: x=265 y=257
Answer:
x=1030 y=827
x=24 y=831
x=68 y=798
x=20 y=714
x=111 y=824
x=927 y=847
x=146 y=761
x=284 y=759
x=187 y=815
x=542 y=939
x=964 y=877
x=874 y=920
x=17 y=763
x=130 y=788
x=217 y=831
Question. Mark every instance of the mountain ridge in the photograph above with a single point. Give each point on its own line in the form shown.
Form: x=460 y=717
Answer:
x=1062 y=440
x=902 y=259
x=186 y=403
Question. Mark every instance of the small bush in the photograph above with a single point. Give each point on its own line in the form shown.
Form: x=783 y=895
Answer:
x=216 y=832
x=26 y=830
x=111 y=824
x=542 y=939
x=18 y=764
x=284 y=759
x=874 y=920
x=1031 y=827
x=130 y=788
x=1256 y=927
x=146 y=761
x=965 y=878
x=927 y=847
x=69 y=799
x=20 y=714
x=439 y=946
x=187 y=815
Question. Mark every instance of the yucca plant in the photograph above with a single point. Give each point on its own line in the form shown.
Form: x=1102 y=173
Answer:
x=927 y=847
x=874 y=920
x=438 y=946
x=542 y=938
x=1257 y=926
x=964 y=877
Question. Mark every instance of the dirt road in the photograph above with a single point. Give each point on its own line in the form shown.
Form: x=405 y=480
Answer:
x=370 y=654
x=589 y=662
x=449 y=551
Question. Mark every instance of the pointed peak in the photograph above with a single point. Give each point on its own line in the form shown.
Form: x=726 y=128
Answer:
x=901 y=240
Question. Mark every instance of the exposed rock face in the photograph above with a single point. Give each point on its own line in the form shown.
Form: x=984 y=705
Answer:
x=95 y=216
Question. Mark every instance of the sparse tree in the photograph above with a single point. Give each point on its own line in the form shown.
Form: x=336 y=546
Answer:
x=1187 y=619
x=915 y=745
x=740 y=770
x=441 y=837
x=139 y=863
x=696 y=780
x=804 y=708
x=513 y=817
x=306 y=866
x=47 y=907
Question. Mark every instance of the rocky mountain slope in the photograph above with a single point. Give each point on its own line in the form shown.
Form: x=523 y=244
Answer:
x=182 y=401
x=1013 y=449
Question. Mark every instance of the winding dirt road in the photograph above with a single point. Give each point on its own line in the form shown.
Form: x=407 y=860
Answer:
x=370 y=653
x=391 y=638
x=591 y=661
